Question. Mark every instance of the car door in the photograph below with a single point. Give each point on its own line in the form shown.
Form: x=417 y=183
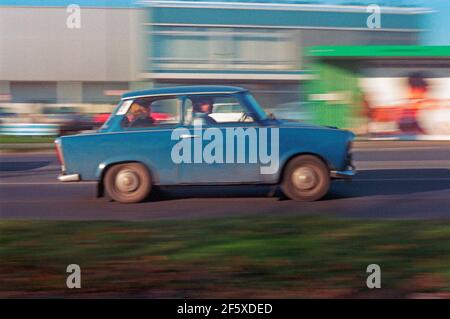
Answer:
x=151 y=122
x=224 y=150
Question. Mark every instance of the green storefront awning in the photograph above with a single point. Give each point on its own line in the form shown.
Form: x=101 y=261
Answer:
x=388 y=51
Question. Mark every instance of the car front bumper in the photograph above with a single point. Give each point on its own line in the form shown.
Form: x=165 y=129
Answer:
x=69 y=178
x=347 y=174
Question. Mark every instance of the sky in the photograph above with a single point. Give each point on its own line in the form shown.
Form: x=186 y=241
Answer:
x=438 y=23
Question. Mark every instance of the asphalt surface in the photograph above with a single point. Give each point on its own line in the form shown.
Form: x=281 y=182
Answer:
x=393 y=182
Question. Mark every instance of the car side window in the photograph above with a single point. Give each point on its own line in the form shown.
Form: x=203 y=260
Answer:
x=216 y=109
x=150 y=111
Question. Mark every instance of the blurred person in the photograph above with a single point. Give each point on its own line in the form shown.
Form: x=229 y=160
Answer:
x=138 y=115
x=423 y=114
x=417 y=100
x=201 y=110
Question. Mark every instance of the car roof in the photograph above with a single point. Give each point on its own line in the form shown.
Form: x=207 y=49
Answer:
x=177 y=90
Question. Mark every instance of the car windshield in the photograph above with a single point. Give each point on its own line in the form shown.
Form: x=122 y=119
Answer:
x=257 y=109
x=121 y=108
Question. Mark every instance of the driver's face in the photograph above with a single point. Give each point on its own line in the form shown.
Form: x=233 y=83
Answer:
x=138 y=111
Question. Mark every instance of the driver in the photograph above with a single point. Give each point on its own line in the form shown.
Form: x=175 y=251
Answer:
x=138 y=116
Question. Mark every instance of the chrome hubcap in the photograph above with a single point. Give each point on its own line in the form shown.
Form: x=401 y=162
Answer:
x=304 y=178
x=127 y=181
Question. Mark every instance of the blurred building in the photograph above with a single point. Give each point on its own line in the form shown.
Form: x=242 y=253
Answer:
x=382 y=91
x=123 y=45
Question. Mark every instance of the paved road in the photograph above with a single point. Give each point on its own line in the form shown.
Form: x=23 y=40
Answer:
x=393 y=182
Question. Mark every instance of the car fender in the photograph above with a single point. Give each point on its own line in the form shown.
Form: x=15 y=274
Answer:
x=127 y=159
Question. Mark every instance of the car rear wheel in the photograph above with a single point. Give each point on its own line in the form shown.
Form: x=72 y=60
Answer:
x=306 y=178
x=127 y=183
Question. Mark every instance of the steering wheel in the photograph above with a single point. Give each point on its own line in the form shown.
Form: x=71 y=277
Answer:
x=244 y=117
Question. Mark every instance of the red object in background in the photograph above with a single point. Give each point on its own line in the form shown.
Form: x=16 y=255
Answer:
x=160 y=116
x=386 y=114
x=100 y=118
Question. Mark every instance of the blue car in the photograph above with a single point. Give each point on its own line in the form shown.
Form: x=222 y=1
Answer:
x=203 y=135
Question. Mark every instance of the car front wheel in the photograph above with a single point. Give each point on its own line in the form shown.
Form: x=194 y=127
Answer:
x=127 y=183
x=306 y=178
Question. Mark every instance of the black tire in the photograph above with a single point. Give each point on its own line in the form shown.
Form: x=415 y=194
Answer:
x=127 y=183
x=305 y=178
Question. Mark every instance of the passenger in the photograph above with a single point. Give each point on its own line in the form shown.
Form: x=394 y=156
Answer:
x=201 y=110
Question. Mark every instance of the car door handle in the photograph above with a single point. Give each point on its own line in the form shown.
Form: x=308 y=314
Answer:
x=189 y=136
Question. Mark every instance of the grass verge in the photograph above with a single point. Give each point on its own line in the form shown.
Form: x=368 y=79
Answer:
x=273 y=257
x=10 y=139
